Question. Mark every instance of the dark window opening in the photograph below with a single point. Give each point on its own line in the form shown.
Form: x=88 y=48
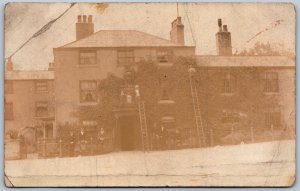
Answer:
x=228 y=83
x=164 y=56
x=87 y=58
x=88 y=91
x=41 y=109
x=272 y=118
x=41 y=86
x=125 y=57
x=230 y=117
x=271 y=82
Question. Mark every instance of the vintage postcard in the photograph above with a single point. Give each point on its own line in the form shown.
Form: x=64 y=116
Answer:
x=149 y=94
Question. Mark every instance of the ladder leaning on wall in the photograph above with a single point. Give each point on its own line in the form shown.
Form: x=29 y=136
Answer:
x=143 y=125
x=197 y=111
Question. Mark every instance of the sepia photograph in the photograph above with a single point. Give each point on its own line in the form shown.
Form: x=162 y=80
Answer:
x=150 y=94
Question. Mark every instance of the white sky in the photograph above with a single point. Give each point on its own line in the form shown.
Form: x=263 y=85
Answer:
x=200 y=20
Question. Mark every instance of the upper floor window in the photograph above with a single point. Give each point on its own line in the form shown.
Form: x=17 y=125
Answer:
x=272 y=119
x=228 y=83
x=41 y=86
x=9 y=113
x=9 y=89
x=230 y=117
x=271 y=82
x=41 y=109
x=125 y=57
x=88 y=91
x=164 y=55
x=89 y=123
x=87 y=58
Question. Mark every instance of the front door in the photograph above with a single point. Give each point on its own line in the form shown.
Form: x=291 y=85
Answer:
x=129 y=133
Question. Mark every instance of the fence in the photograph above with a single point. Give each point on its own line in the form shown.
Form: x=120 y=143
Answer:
x=48 y=148
x=186 y=138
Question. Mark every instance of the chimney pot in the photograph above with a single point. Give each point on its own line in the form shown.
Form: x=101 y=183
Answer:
x=220 y=25
x=225 y=28
x=219 y=22
x=90 y=18
x=9 y=64
x=84 y=18
x=179 y=20
x=79 y=19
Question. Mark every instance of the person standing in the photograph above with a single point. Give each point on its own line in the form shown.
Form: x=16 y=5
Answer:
x=163 y=137
x=72 y=144
x=100 y=138
x=82 y=141
x=137 y=92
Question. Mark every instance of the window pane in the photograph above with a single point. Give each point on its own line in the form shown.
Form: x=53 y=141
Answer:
x=228 y=83
x=87 y=58
x=41 y=109
x=88 y=91
x=125 y=56
x=271 y=82
x=41 y=86
x=164 y=55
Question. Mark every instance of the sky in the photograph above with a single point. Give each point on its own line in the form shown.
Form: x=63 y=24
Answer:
x=248 y=24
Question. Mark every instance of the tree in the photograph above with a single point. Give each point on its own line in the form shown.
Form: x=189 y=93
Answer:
x=267 y=49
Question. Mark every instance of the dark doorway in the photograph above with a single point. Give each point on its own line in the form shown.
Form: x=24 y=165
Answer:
x=49 y=130
x=129 y=133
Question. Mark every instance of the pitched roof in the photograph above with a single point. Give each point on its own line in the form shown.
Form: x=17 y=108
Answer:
x=245 y=61
x=29 y=75
x=120 y=38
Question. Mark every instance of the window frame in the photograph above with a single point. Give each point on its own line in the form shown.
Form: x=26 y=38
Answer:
x=229 y=117
x=270 y=117
x=80 y=63
x=168 y=55
x=37 y=88
x=36 y=109
x=271 y=82
x=131 y=58
x=228 y=83
x=82 y=91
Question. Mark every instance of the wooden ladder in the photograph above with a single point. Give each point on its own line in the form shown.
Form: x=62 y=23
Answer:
x=197 y=112
x=143 y=125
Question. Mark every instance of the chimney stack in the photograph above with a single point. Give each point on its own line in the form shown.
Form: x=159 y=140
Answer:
x=223 y=39
x=177 y=31
x=51 y=66
x=9 y=64
x=84 y=26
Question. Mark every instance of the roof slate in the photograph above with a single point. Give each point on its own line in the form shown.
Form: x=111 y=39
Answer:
x=120 y=38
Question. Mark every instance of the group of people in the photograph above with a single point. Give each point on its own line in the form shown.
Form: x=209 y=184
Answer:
x=163 y=139
x=81 y=144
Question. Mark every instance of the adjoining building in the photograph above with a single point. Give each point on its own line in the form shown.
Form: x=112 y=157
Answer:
x=29 y=106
